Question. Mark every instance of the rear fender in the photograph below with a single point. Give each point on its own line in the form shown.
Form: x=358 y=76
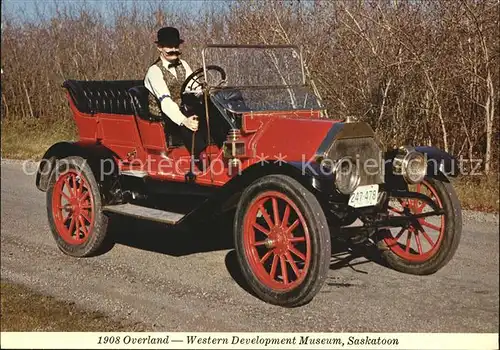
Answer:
x=101 y=160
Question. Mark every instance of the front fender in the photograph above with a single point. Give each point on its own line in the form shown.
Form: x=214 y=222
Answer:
x=227 y=196
x=307 y=174
x=93 y=153
x=440 y=165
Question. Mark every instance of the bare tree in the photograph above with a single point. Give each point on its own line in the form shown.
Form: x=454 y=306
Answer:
x=419 y=72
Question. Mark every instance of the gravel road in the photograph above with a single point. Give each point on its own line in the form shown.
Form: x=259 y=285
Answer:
x=190 y=282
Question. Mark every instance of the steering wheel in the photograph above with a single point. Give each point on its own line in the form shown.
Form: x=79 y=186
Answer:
x=197 y=78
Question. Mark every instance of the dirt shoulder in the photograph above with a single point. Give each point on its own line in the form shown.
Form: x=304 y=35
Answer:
x=26 y=310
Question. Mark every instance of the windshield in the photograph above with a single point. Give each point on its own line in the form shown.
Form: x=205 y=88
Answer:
x=274 y=99
x=256 y=66
x=258 y=78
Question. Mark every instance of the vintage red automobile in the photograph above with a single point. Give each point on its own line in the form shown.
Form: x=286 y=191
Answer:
x=294 y=178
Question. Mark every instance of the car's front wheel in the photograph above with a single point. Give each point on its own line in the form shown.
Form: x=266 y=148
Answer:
x=282 y=241
x=428 y=243
x=74 y=211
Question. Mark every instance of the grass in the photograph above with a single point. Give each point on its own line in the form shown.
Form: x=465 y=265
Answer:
x=29 y=139
x=24 y=310
x=478 y=192
x=23 y=139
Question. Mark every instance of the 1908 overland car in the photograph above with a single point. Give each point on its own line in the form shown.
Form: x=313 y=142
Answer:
x=293 y=177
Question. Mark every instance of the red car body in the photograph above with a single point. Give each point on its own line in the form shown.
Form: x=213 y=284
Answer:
x=289 y=174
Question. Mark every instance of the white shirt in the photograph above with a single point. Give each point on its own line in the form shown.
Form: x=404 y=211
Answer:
x=155 y=83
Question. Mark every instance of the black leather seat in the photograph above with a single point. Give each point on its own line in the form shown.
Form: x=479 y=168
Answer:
x=101 y=96
x=140 y=102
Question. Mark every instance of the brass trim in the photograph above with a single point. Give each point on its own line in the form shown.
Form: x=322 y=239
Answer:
x=401 y=161
x=340 y=131
x=355 y=130
x=328 y=141
x=230 y=149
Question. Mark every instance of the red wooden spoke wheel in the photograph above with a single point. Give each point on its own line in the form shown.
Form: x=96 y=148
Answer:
x=426 y=244
x=417 y=242
x=73 y=207
x=277 y=241
x=76 y=220
x=282 y=240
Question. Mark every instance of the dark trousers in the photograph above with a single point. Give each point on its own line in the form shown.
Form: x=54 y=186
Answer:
x=200 y=141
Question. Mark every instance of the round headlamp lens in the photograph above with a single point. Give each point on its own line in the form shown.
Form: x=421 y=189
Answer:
x=346 y=176
x=416 y=167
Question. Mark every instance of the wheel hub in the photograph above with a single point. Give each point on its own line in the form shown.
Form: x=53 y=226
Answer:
x=74 y=206
x=418 y=240
x=269 y=243
x=278 y=239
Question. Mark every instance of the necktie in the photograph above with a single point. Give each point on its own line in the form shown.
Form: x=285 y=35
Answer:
x=174 y=64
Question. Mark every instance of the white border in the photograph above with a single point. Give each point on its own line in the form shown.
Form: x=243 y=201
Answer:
x=217 y=340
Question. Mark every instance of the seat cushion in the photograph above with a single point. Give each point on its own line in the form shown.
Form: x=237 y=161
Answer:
x=102 y=96
x=140 y=98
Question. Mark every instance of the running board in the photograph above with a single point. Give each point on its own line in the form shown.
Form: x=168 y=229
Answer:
x=145 y=213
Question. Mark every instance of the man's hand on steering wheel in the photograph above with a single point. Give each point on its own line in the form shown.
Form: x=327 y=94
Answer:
x=191 y=123
x=195 y=83
x=196 y=80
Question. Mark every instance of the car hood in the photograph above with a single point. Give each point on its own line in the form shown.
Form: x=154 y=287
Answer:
x=291 y=139
x=303 y=140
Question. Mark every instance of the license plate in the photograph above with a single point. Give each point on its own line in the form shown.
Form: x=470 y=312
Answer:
x=364 y=196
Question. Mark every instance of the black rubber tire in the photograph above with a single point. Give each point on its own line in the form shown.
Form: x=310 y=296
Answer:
x=319 y=236
x=98 y=240
x=451 y=238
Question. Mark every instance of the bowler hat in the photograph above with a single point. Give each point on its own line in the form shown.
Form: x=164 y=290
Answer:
x=169 y=36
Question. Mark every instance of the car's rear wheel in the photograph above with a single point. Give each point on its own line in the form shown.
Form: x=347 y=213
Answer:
x=74 y=209
x=428 y=243
x=282 y=241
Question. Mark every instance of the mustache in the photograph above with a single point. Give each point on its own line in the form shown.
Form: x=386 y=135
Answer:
x=173 y=52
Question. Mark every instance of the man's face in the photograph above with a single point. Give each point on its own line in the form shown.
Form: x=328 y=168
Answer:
x=169 y=53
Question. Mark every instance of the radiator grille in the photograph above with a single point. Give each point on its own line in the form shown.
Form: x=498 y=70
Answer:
x=366 y=153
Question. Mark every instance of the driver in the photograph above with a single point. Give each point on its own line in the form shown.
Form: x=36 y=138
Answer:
x=164 y=80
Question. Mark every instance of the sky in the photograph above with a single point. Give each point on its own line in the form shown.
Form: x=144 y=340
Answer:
x=26 y=9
